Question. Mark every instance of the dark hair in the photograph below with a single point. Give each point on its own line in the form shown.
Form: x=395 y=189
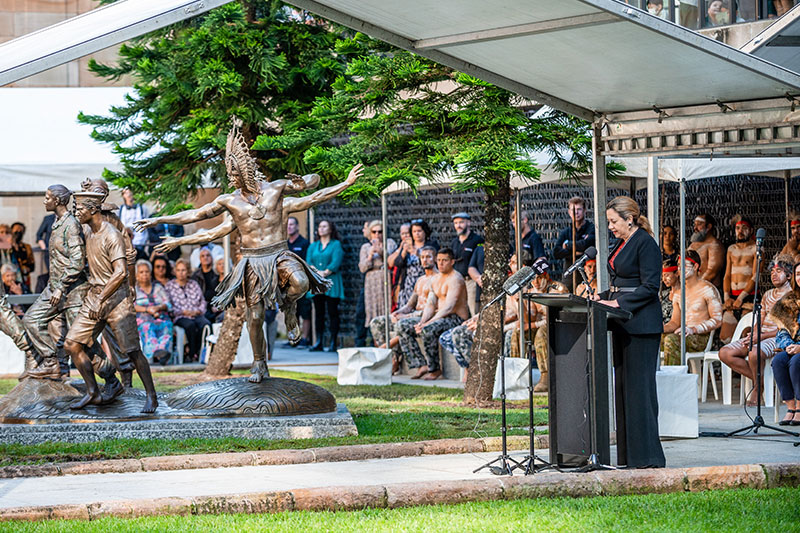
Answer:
x=670 y=262
x=577 y=200
x=694 y=256
x=164 y=258
x=61 y=193
x=422 y=224
x=708 y=218
x=334 y=231
x=444 y=250
x=428 y=248
x=293 y=218
x=527 y=257
x=18 y=224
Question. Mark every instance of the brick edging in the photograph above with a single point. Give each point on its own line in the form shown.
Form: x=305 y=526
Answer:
x=356 y=452
x=348 y=498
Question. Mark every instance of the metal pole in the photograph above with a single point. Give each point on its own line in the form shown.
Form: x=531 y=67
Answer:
x=387 y=304
x=518 y=244
x=600 y=198
x=314 y=331
x=682 y=186
x=787 y=175
x=652 y=196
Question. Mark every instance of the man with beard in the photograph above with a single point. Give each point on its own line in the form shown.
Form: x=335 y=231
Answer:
x=575 y=239
x=464 y=245
x=268 y=275
x=793 y=246
x=703 y=314
x=409 y=315
x=740 y=277
x=708 y=247
x=741 y=354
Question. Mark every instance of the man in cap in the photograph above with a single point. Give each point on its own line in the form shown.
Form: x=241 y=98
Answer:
x=107 y=302
x=464 y=245
x=740 y=277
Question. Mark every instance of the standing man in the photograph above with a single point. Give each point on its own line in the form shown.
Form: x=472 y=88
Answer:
x=530 y=239
x=298 y=245
x=107 y=302
x=129 y=213
x=464 y=245
x=708 y=247
x=574 y=240
x=446 y=308
x=740 y=277
x=793 y=246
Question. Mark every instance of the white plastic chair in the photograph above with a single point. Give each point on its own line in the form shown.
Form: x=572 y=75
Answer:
x=771 y=393
x=698 y=357
x=180 y=342
x=727 y=374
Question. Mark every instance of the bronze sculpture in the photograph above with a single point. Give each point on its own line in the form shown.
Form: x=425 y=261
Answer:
x=11 y=325
x=268 y=274
x=107 y=302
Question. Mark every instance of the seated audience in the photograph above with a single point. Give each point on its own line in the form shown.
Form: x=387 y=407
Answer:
x=11 y=286
x=152 y=307
x=740 y=355
x=786 y=363
x=216 y=250
x=670 y=284
x=208 y=279
x=188 y=308
x=162 y=270
x=703 y=314
x=446 y=308
x=591 y=274
x=670 y=249
x=740 y=278
x=711 y=251
x=410 y=314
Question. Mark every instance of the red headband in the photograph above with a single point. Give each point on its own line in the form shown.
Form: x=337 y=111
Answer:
x=692 y=260
x=745 y=223
x=591 y=261
x=794 y=223
x=669 y=269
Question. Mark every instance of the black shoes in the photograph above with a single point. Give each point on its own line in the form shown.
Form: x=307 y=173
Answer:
x=317 y=347
x=332 y=347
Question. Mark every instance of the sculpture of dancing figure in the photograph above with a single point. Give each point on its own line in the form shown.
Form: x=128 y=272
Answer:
x=268 y=275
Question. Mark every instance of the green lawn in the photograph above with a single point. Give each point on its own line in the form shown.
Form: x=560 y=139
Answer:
x=395 y=413
x=717 y=511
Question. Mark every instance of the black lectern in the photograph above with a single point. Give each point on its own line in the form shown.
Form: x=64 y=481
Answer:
x=578 y=367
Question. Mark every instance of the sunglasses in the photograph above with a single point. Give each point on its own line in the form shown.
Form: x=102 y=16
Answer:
x=417 y=221
x=377 y=231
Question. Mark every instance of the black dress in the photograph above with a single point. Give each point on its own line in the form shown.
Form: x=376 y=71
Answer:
x=636 y=273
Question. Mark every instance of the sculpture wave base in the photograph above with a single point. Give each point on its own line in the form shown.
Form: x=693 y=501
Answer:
x=38 y=411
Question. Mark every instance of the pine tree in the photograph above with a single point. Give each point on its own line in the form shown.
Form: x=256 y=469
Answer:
x=405 y=117
x=259 y=61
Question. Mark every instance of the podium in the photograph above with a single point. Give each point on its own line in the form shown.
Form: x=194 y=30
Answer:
x=579 y=380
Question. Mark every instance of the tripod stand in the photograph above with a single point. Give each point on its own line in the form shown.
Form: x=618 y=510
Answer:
x=505 y=460
x=758 y=421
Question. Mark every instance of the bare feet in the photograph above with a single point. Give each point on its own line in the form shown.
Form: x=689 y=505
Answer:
x=258 y=372
x=93 y=399
x=421 y=372
x=111 y=390
x=395 y=366
x=150 y=404
x=752 y=400
x=466 y=373
x=430 y=376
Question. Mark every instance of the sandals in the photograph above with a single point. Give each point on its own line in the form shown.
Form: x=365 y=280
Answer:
x=790 y=421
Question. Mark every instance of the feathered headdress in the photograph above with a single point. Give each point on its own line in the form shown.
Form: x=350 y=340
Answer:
x=241 y=166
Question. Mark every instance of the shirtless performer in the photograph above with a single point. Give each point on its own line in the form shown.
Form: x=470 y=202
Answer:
x=703 y=314
x=107 y=302
x=269 y=275
x=408 y=315
x=711 y=251
x=446 y=308
x=536 y=325
x=739 y=355
x=793 y=246
x=740 y=278
x=590 y=268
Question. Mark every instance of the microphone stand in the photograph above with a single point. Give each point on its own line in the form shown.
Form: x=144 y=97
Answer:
x=593 y=463
x=758 y=422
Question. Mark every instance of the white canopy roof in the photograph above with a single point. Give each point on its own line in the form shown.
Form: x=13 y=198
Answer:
x=694 y=169
x=779 y=43
x=44 y=144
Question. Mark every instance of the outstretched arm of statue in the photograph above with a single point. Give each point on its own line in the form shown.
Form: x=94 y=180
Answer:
x=203 y=236
x=301 y=183
x=210 y=210
x=292 y=205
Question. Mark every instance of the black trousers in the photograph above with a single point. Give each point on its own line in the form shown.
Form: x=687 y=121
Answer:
x=194 y=332
x=326 y=305
x=635 y=365
x=361 y=317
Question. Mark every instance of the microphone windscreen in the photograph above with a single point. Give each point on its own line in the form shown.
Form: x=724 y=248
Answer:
x=521 y=275
x=591 y=252
x=761 y=234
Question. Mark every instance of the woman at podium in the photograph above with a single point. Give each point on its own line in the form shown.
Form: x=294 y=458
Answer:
x=634 y=267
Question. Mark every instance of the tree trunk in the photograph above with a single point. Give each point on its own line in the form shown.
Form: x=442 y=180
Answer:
x=488 y=337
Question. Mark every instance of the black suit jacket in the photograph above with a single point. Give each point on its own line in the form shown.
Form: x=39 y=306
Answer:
x=638 y=265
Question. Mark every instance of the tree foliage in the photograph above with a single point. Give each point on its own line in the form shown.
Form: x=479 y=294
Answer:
x=257 y=60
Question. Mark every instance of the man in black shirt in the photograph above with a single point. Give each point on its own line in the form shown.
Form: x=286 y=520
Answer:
x=531 y=240
x=475 y=272
x=464 y=245
x=584 y=235
x=208 y=279
x=298 y=245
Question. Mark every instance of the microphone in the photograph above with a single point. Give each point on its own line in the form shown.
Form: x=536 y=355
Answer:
x=761 y=234
x=590 y=253
x=520 y=279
